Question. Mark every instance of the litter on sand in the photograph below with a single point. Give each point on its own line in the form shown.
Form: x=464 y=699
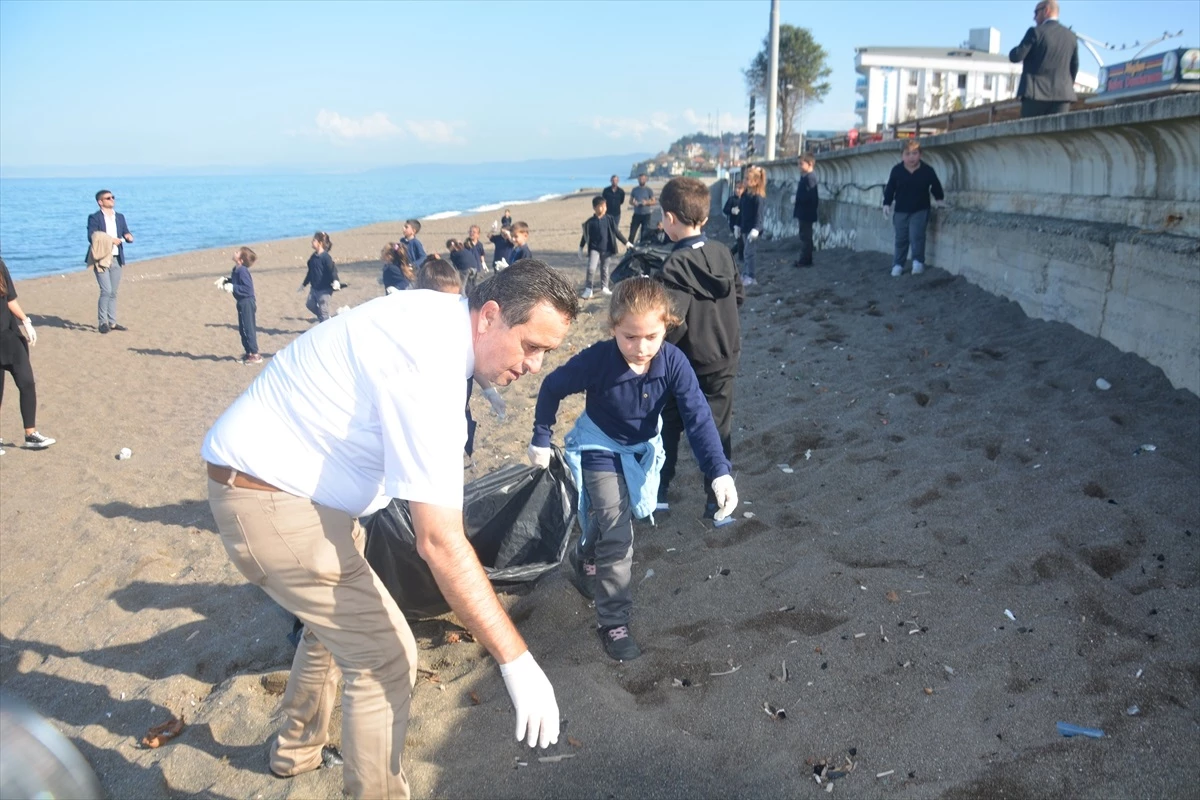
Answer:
x=555 y=759
x=884 y=774
x=163 y=733
x=773 y=712
x=726 y=672
x=1103 y=385
x=785 y=468
x=1009 y=614
x=1067 y=729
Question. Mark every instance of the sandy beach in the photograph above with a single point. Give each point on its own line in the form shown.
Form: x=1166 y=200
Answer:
x=949 y=540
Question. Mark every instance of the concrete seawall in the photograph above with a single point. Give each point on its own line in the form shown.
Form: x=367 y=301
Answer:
x=1091 y=218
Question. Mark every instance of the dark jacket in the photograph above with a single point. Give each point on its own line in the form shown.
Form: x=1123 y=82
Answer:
x=1051 y=61
x=243 y=284
x=806 y=198
x=321 y=272
x=594 y=229
x=464 y=261
x=96 y=223
x=731 y=209
x=502 y=248
x=911 y=190
x=393 y=277
x=750 y=214
x=12 y=345
x=706 y=292
x=614 y=198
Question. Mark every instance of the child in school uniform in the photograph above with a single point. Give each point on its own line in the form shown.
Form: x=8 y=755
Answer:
x=474 y=244
x=520 y=239
x=241 y=286
x=397 y=272
x=415 y=250
x=614 y=449
x=502 y=245
x=322 y=277
x=750 y=220
x=599 y=242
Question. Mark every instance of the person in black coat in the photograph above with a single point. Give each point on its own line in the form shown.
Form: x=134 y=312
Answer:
x=1050 y=61
x=806 y=208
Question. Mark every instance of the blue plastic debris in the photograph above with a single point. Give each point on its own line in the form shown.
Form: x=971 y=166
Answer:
x=1068 y=730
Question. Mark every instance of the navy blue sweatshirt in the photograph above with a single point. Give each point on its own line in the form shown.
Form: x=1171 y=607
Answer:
x=807 y=198
x=503 y=247
x=393 y=277
x=477 y=250
x=627 y=406
x=321 y=272
x=750 y=214
x=243 y=284
x=464 y=261
x=416 y=251
x=519 y=252
x=911 y=190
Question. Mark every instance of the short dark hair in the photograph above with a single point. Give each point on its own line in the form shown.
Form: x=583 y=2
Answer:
x=808 y=158
x=415 y=223
x=246 y=257
x=598 y=201
x=519 y=227
x=101 y=193
x=521 y=287
x=439 y=275
x=687 y=199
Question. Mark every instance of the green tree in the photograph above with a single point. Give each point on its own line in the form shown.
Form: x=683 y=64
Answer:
x=802 y=74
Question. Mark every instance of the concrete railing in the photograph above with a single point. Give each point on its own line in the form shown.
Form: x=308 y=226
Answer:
x=1090 y=218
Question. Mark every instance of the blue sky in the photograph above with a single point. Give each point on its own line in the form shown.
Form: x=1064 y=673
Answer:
x=351 y=85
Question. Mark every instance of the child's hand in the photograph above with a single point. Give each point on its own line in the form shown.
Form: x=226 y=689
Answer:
x=540 y=457
x=336 y=286
x=228 y=286
x=581 y=254
x=726 y=496
x=301 y=290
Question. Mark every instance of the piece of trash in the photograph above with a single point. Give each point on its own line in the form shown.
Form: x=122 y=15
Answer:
x=859 y=635
x=475 y=698
x=1144 y=448
x=1139 y=674
x=773 y=712
x=1067 y=729
x=892 y=597
x=1009 y=614
x=748 y=515
x=807 y=455
x=331 y=757
x=124 y=454
x=555 y=759
x=785 y=468
x=1103 y=385
x=884 y=774
x=782 y=677
x=1133 y=711
x=163 y=733
x=681 y=683
x=948 y=668
x=571 y=740
x=649 y=574
x=928 y=690
x=726 y=672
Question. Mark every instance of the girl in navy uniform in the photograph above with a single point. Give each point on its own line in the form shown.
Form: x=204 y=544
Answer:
x=322 y=277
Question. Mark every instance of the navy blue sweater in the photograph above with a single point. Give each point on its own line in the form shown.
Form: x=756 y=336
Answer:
x=243 y=284
x=750 y=216
x=503 y=247
x=911 y=190
x=627 y=406
x=321 y=272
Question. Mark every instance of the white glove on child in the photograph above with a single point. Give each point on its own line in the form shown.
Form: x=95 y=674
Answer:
x=582 y=254
x=220 y=282
x=533 y=698
x=336 y=285
x=737 y=231
x=726 y=495
x=539 y=456
x=887 y=212
x=499 y=407
x=392 y=290
x=30 y=333
x=228 y=286
x=752 y=235
x=501 y=264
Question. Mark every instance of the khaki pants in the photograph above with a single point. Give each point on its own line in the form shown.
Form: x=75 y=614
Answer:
x=309 y=559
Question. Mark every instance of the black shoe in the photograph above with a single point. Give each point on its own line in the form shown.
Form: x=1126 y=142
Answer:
x=582 y=574
x=104 y=328
x=117 y=327
x=618 y=642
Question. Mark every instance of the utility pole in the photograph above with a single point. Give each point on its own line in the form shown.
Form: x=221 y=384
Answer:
x=773 y=81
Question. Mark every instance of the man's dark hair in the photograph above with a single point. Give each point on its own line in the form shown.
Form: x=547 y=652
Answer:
x=439 y=275
x=687 y=199
x=598 y=201
x=101 y=193
x=521 y=287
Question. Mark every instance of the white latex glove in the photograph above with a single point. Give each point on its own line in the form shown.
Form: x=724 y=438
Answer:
x=336 y=285
x=392 y=290
x=533 y=698
x=582 y=254
x=750 y=237
x=302 y=290
x=539 y=456
x=501 y=264
x=499 y=407
x=726 y=494
x=228 y=286
x=220 y=282
x=887 y=212
x=737 y=231
x=27 y=324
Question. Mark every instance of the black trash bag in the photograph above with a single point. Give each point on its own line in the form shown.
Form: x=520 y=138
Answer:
x=517 y=518
x=643 y=261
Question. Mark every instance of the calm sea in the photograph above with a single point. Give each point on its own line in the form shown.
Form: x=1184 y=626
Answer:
x=43 y=221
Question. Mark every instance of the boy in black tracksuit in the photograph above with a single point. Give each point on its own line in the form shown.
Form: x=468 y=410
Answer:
x=599 y=245
x=703 y=281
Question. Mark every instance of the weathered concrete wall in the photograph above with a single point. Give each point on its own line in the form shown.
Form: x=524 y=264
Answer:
x=1091 y=218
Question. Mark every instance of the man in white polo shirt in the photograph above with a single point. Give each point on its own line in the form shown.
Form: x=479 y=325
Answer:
x=366 y=407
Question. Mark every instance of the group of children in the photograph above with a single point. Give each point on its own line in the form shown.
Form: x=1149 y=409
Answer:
x=404 y=264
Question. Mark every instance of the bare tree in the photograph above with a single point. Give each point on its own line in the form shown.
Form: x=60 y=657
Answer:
x=802 y=74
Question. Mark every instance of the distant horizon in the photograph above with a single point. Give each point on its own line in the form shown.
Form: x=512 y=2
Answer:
x=67 y=171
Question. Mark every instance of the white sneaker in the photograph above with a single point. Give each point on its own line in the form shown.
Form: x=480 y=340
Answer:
x=586 y=294
x=918 y=268
x=606 y=291
x=897 y=271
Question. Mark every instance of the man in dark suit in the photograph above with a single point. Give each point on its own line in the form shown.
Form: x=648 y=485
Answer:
x=112 y=223
x=1050 y=61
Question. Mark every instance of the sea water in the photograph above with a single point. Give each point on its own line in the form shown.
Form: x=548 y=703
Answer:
x=43 y=221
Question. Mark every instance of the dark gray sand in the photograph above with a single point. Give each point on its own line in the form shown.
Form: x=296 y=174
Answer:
x=918 y=457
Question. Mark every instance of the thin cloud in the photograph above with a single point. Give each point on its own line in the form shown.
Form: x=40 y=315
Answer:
x=436 y=131
x=725 y=121
x=371 y=126
x=636 y=128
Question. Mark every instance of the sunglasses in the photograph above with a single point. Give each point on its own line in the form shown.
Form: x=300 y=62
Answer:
x=109 y=197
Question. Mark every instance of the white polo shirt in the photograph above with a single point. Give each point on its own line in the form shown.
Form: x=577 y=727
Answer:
x=366 y=406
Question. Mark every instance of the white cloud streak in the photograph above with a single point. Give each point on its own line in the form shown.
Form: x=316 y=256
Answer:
x=371 y=126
